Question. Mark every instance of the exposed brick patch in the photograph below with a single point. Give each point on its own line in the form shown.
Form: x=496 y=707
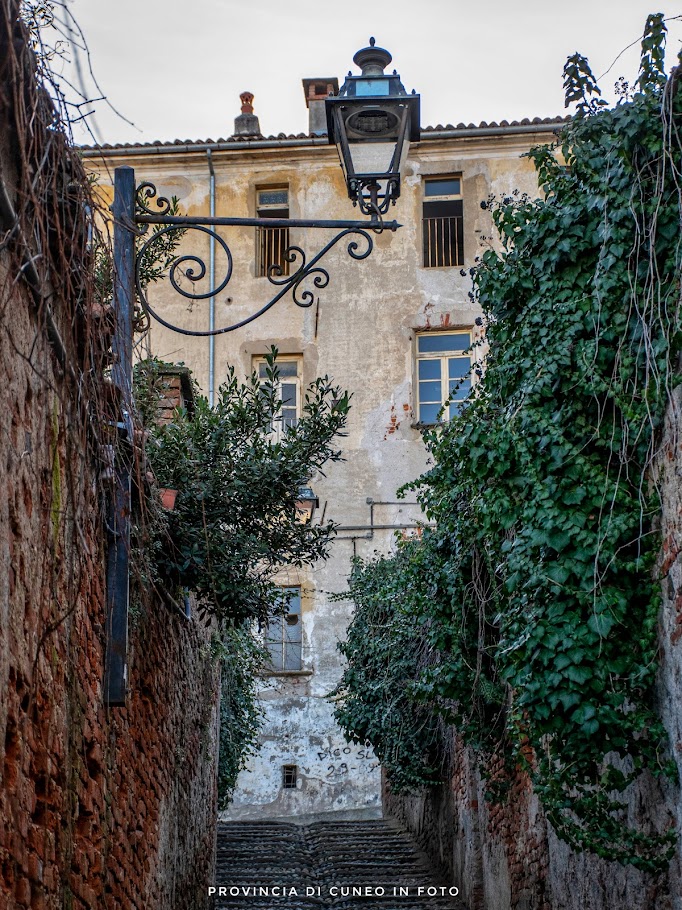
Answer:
x=393 y=422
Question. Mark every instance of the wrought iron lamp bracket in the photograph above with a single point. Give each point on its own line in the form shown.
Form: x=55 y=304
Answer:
x=133 y=213
x=307 y=275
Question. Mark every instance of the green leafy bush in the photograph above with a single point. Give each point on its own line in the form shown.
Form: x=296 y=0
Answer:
x=242 y=659
x=387 y=648
x=235 y=522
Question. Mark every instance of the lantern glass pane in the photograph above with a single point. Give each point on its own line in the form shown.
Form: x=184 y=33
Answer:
x=372 y=157
x=371 y=87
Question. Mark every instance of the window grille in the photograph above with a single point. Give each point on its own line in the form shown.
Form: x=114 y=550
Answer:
x=443 y=374
x=272 y=243
x=289 y=776
x=442 y=217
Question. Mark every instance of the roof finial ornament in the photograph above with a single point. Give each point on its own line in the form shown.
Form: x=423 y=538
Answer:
x=372 y=42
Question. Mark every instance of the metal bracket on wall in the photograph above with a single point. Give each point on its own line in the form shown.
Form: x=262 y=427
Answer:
x=118 y=554
x=192 y=268
x=370 y=528
x=132 y=217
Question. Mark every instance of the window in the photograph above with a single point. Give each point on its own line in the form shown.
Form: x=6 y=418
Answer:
x=272 y=243
x=443 y=372
x=442 y=234
x=288 y=390
x=289 y=776
x=283 y=634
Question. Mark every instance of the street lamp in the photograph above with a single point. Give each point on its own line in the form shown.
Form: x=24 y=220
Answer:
x=306 y=504
x=372 y=121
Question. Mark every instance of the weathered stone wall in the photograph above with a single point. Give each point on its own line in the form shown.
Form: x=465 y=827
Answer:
x=507 y=857
x=99 y=808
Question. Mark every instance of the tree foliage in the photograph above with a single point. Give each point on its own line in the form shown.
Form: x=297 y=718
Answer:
x=242 y=658
x=541 y=616
x=235 y=522
x=386 y=646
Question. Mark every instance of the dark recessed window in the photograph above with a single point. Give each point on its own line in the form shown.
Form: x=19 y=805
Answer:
x=272 y=243
x=289 y=777
x=442 y=215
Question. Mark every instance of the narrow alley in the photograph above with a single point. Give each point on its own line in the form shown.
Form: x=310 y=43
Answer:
x=351 y=863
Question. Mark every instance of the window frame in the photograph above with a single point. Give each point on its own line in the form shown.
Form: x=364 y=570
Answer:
x=282 y=640
x=443 y=357
x=456 y=220
x=280 y=426
x=289 y=777
x=271 y=239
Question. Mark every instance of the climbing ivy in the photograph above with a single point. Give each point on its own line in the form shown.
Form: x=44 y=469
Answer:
x=242 y=658
x=386 y=648
x=534 y=591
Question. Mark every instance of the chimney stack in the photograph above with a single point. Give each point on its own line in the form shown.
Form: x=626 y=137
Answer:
x=316 y=90
x=246 y=124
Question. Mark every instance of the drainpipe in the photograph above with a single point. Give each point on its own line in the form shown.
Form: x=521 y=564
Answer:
x=211 y=278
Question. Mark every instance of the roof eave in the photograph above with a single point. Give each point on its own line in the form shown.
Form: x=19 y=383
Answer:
x=429 y=133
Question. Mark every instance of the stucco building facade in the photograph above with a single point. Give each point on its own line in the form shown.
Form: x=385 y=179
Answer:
x=393 y=329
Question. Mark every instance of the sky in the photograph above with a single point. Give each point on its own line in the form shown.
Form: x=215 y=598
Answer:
x=175 y=68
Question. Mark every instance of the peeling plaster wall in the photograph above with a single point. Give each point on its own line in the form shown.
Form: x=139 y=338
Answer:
x=362 y=334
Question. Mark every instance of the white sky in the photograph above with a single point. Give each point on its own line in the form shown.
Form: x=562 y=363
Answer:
x=176 y=67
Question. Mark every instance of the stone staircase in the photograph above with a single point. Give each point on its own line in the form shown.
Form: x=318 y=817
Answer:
x=344 y=865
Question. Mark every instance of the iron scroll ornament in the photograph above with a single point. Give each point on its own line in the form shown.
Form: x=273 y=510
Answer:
x=192 y=267
x=146 y=192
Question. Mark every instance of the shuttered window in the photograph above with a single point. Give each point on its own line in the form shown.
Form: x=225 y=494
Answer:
x=272 y=243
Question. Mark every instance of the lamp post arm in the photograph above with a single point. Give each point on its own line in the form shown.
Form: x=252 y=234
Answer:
x=190 y=221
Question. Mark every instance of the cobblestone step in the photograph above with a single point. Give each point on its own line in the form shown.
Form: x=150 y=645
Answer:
x=269 y=859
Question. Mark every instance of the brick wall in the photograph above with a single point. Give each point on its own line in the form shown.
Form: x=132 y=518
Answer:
x=99 y=808
x=507 y=857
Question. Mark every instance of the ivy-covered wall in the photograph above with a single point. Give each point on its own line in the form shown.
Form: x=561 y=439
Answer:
x=100 y=808
x=505 y=855
x=512 y=652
